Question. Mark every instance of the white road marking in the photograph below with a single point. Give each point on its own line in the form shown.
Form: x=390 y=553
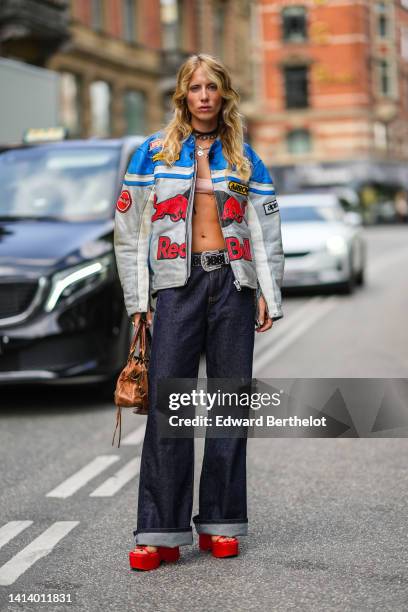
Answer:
x=293 y=334
x=377 y=265
x=117 y=481
x=11 y=530
x=83 y=476
x=135 y=437
x=264 y=340
x=319 y=306
x=38 y=548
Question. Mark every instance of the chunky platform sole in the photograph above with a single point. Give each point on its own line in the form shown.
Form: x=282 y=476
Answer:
x=219 y=548
x=151 y=560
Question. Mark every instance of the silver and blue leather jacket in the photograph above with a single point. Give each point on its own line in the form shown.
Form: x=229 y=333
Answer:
x=153 y=223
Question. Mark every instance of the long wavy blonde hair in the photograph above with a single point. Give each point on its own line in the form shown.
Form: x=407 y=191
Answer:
x=230 y=120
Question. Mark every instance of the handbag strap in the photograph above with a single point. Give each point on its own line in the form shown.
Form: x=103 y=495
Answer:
x=118 y=422
x=139 y=331
x=142 y=341
x=145 y=341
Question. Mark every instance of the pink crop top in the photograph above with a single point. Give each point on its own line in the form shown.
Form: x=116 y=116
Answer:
x=204 y=185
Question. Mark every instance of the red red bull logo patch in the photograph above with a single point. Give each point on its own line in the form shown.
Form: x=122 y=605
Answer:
x=233 y=210
x=124 y=201
x=175 y=208
x=166 y=249
x=237 y=249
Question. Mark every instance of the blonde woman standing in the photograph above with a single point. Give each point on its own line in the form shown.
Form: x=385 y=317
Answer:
x=197 y=224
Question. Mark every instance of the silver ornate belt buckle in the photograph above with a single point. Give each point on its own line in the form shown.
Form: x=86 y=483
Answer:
x=209 y=267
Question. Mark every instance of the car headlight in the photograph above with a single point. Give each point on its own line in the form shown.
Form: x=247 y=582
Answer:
x=78 y=278
x=336 y=245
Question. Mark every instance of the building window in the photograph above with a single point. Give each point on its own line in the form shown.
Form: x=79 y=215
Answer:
x=97 y=15
x=294 y=24
x=135 y=112
x=100 y=95
x=296 y=86
x=129 y=20
x=181 y=8
x=167 y=105
x=70 y=103
x=406 y=94
x=404 y=42
x=172 y=24
x=382 y=19
x=298 y=141
x=219 y=28
x=380 y=135
x=384 y=77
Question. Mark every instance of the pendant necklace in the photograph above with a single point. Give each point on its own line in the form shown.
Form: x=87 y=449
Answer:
x=200 y=151
x=204 y=136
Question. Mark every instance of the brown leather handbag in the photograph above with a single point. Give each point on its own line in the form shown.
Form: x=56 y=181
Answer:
x=132 y=385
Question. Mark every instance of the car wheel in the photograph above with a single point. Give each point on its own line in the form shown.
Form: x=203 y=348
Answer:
x=348 y=286
x=360 y=278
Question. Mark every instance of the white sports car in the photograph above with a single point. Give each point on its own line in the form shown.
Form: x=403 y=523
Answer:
x=323 y=244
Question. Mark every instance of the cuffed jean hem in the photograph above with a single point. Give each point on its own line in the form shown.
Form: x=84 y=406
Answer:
x=228 y=527
x=164 y=537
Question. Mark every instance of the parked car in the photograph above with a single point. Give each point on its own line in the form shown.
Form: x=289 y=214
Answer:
x=62 y=314
x=324 y=245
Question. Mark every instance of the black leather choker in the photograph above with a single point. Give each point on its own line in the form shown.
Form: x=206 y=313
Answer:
x=207 y=134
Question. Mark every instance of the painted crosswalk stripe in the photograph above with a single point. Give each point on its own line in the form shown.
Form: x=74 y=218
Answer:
x=38 y=548
x=11 y=530
x=117 y=481
x=83 y=476
x=135 y=437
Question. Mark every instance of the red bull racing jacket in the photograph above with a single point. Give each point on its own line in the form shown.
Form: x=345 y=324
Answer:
x=153 y=224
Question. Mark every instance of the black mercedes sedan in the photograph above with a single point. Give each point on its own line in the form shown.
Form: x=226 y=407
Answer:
x=62 y=315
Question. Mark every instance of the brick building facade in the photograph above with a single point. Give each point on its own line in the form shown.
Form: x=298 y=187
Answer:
x=333 y=81
x=118 y=59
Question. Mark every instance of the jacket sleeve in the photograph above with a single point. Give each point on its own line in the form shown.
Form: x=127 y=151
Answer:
x=265 y=226
x=132 y=230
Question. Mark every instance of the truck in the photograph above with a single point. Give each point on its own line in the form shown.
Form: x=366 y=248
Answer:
x=29 y=98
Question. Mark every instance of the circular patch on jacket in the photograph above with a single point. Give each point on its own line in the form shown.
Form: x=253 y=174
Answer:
x=124 y=202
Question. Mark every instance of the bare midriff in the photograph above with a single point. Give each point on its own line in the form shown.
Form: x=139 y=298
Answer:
x=206 y=229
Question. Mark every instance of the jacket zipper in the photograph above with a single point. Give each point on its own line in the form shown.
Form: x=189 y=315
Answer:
x=188 y=255
x=236 y=281
x=189 y=206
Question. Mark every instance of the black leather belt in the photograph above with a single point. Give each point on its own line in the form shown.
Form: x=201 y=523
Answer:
x=210 y=260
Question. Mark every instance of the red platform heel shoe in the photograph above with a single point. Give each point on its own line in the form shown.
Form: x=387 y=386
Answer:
x=143 y=559
x=220 y=547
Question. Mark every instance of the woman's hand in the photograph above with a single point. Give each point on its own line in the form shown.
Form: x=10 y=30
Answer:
x=263 y=316
x=137 y=315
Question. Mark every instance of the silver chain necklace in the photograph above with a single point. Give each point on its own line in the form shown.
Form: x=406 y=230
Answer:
x=201 y=150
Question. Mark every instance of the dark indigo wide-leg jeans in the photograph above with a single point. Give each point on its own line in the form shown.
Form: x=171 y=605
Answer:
x=206 y=313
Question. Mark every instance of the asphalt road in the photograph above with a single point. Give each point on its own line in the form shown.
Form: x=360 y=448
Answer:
x=327 y=517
